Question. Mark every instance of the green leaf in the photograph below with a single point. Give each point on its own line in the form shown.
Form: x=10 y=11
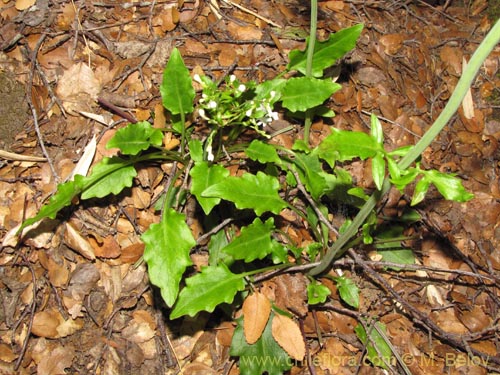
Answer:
x=109 y=176
x=207 y=289
x=258 y=192
x=263 y=357
x=62 y=198
x=400 y=256
x=196 y=150
x=347 y=145
x=375 y=345
x=216 y=255
x=177 y=90
x=376 y=130
x=394 y=170
x=449 y=186
x=303 y=93
x=264 y=89
x=378 y=170
x=168 y=244
x=421 y=189
x=254 y=241
x=262 y=152
x=348 y=290
x=203 y=175
x=316 y=181
x=326 y=53
x=317 y=293
x=135 y=138
x=405 y=177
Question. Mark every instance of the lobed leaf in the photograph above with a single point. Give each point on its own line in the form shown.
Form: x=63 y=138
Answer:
x=203 y=176
x=62 y=198
x=258 y=192
x=109 y=176
x=316 y=181
x=262 y=152
x=206 y=290
x=254 y=241
x=348 y=145
x=135 y=138
x=303 y=93
x=166 y=253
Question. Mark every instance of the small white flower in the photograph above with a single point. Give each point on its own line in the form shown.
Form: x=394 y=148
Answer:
x=248 y=113
x=212 y=104
x=232 y=78
x=210 y=155
x=272 y=94
x=242 y=88
x=202 y=114
x=197 y=78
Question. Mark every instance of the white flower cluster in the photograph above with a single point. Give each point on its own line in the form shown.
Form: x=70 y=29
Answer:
x=235 y=103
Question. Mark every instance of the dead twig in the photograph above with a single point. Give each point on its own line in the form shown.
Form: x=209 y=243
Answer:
x=34 y=54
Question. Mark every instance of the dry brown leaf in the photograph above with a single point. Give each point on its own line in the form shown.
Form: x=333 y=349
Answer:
x=475 y=320
x=45 y=323
x=76 y=85
x=138 y=331
x=6 y=353
x=256 y=310
x=197 y=368
x=106 y=247
x=132 y=253
x=77 y=242
x=69 y=326
x=452 y=57
x=392 y=43
x=287 y=334
x=55 y=361
x=24 y=4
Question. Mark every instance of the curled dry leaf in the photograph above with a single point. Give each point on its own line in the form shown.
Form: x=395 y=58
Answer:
x=256 y=311
x=77 y=242
x=287 y=334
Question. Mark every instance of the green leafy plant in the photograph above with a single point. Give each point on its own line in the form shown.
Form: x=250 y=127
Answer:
x=259 y=195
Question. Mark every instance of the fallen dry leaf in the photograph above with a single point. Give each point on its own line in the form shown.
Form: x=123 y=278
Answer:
x=24 y=4
x=56 y=361
x=45 y=323
x=256 y=311
x=77 y=242
x=392 y=43
x=287 y=334
x=77 y=85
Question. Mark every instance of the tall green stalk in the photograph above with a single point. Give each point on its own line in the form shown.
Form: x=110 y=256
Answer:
x=477 y=59
x=309 y=63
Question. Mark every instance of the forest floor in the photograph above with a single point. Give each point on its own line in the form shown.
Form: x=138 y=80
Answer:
x=74 y=301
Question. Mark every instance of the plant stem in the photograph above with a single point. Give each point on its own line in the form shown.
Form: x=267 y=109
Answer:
x=309 y=63
x=477 y=59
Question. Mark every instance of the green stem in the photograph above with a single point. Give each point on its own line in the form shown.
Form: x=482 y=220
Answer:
x=183 y=133
x=477 y=59
x=309 y=63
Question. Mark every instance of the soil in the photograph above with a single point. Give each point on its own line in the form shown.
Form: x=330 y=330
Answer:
x=75 y=299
